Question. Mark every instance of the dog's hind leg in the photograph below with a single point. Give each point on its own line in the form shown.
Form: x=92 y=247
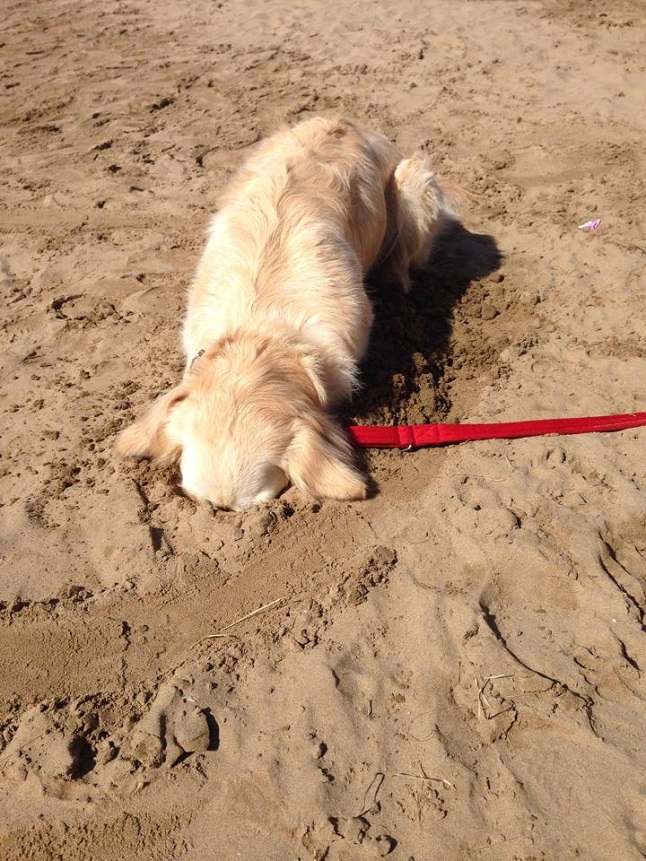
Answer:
x=418 y=208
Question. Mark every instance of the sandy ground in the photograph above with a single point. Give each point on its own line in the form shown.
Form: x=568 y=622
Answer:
x=453 y=668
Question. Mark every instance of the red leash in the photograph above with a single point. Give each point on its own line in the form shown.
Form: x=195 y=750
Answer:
x=416 y=436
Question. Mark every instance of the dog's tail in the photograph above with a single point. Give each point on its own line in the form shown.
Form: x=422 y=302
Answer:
x=419 y=206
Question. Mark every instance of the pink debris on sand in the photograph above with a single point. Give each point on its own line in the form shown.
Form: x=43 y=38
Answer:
x=590 y=225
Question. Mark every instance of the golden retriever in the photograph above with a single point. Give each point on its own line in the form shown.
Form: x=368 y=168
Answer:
x=278 y=316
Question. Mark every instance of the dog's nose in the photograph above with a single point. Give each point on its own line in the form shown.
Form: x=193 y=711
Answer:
x=180 y=490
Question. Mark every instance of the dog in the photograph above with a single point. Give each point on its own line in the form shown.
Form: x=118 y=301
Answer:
x=279 y=318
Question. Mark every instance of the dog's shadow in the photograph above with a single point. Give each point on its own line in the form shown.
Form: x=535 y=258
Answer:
x=403 y=373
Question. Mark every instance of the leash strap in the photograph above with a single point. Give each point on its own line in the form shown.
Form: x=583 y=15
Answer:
x=419 y=436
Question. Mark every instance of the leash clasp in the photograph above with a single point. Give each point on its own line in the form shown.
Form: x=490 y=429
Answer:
x=197 y=356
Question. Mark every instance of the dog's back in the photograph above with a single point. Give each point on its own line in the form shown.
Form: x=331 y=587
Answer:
x=297 y=231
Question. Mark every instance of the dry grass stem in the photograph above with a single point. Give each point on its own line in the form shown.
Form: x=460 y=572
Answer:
x=484 y=706
x=417 y=738
x=425 y=777
x=375 y=785
x=244 y=618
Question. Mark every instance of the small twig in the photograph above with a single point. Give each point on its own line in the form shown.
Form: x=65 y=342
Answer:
x=241 y=619
x=412 y=721
x=444 y=781
x=447 y=783
x=479 y=475
x=484 y=702
x=378 y=779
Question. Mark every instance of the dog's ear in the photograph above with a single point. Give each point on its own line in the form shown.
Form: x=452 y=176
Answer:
x=148 y=435
x=319 y=461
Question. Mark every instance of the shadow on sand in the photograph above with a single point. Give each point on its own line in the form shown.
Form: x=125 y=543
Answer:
x=410 y=344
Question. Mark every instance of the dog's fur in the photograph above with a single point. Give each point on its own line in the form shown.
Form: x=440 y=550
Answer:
x=278 y=316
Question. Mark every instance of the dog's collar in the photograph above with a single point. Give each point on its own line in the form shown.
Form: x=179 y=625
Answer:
x=197 y=356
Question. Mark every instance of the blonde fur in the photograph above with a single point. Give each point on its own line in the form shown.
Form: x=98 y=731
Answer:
x=280 y=317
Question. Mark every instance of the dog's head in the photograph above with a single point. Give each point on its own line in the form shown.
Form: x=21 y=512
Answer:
x=248 y=418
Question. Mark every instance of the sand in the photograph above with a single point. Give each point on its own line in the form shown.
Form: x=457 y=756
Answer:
x=452 y=669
